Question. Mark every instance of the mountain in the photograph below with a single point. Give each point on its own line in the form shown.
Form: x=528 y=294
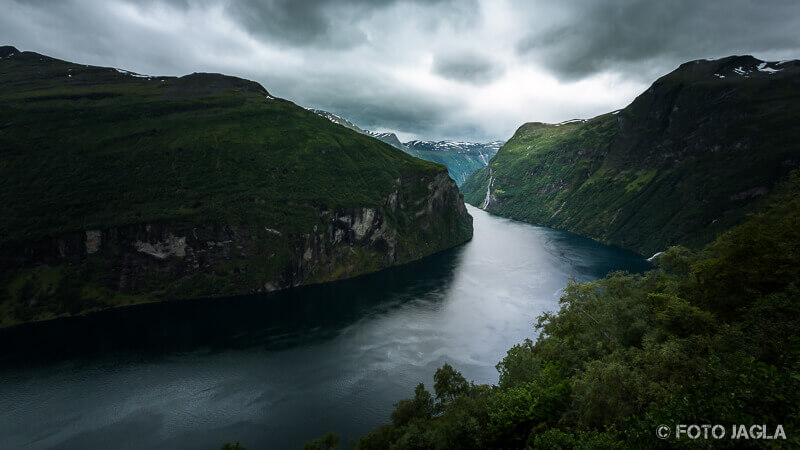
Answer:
x=121 y=188
x=337 y=120
x=389 y=138
x=686 y=160
x=460 y=158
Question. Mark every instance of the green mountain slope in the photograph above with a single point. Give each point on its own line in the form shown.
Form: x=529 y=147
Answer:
x=120 y=188
x=689 y=158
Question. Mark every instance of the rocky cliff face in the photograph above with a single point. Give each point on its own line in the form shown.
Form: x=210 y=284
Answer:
x=688 y=159
x=159 y=261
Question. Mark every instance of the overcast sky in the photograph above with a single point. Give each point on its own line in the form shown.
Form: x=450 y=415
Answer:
x=462 y=70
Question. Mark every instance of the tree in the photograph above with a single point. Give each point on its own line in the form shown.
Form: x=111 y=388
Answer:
x=419 y=407
x=449 y=384
x=328 y=442
x=236 y=446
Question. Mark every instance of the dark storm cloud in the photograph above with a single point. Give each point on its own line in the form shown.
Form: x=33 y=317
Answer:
x=322 y=23
x=468 y=67
x=296 y=21
x=435 y=69
x=597 y=36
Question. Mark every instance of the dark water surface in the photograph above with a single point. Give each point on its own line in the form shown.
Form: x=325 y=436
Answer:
x=273 y=371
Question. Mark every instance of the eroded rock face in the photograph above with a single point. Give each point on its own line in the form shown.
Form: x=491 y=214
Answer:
x=247 y=259
x=170 y=246
x=332 y=251
x=93 y=240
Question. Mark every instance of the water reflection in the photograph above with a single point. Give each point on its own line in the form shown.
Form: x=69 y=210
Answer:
x=274 y=321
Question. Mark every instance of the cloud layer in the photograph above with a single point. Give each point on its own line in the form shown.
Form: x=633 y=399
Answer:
x=426 y=69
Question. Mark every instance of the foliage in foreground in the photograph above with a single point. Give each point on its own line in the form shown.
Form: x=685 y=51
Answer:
x=709 y=337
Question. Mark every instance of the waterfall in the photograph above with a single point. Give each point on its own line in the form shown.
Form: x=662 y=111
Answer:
x=488 y=198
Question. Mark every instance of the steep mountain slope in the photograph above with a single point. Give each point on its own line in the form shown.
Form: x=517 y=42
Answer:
x=461 y=158
x=120 y=188
x=688 y=159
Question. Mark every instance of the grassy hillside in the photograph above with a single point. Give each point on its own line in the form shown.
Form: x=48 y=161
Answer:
x=688 y=159
x=91 y=148
x=709 y=337
x=81 y=145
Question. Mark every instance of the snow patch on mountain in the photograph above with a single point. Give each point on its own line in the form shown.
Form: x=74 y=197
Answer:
x=764 y=68
x=753 y=67
x=570 y=122
x=133 y=74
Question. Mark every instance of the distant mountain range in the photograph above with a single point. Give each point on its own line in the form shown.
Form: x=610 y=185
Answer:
x=691 y=156
x=460 y=158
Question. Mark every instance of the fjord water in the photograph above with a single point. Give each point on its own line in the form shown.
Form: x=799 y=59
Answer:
x=273 y=371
